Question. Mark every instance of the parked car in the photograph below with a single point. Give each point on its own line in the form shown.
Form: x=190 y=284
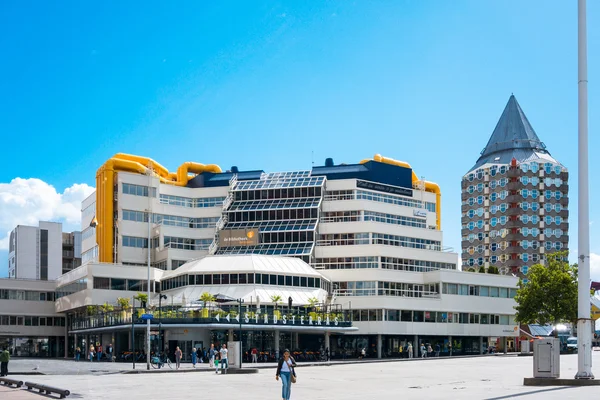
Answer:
x=572 y=345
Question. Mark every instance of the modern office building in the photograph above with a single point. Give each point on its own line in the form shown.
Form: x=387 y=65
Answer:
x=369 y=234
x=30 y=326
x=514 y=200
x=42 y=252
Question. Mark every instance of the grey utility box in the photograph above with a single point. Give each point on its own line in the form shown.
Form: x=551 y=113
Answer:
x=525 y=347
x=546 y=358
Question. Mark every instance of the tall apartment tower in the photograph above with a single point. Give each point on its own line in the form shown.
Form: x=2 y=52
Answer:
x=42 y=252
x=514 y=200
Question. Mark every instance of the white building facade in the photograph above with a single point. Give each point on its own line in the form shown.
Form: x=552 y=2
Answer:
x=372 y=230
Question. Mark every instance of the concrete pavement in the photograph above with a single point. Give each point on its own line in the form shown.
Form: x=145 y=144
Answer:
x=492 y=378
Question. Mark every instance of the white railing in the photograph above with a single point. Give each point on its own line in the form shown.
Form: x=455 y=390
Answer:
x=232 y=181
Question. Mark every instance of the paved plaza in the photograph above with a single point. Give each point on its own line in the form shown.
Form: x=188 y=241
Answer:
x=492 y=378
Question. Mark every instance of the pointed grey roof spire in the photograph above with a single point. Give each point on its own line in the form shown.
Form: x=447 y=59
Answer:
x=513 y=131
x=513 y=137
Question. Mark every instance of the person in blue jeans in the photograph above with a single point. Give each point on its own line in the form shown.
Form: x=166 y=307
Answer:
x=285 y=370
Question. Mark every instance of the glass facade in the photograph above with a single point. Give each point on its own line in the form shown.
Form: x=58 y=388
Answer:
x=39 y=347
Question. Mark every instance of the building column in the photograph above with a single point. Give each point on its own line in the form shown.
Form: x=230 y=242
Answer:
x=504 y=344
x=67 y=343
x=379 y=345
x=296 y=340
x=416 y=346
x=230 y=338
x=481 y=351
x=450 y=346
x=327 y=334
x=276 y=344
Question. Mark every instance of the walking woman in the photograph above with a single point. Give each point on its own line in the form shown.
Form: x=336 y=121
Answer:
x=194 y=357
x=285 y=370
x=178 y=355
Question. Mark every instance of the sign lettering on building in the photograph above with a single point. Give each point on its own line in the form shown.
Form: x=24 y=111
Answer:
x=238 y=237
x=275 y=319
x=383 y=188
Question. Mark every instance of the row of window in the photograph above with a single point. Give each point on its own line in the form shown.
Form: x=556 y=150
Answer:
x=70 y=288
x=186 y=243
x=371 y=216
x=534 y=167
x=336 y=195
x=272 y=194
x=201 y=202
x=547 y=167
x=281 y=249
x=274 y=183
x=134 y=285
x=475 y=290
x=400 y=264
x=16 y=320
x=276 y=204
x=88 y=232
x=27 y=295
x=276 y=225
x=138 y=190
x=89 y=210
x=278 y=214
x=380 y=288
x=171 y=220
x=351 y=239
x=245 y=279
x=287 y=237
x=431 y=316
x=503 y=258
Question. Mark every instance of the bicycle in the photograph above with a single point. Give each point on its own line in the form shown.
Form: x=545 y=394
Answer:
x=158 y=361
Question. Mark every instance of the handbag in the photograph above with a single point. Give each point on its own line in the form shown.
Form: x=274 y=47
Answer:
x=292 y=373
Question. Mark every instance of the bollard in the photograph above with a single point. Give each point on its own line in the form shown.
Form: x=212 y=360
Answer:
x=47 y=389
x=10 y=382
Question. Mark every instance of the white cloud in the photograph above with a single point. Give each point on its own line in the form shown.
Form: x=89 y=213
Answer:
x=27 y=201
x=595 y=267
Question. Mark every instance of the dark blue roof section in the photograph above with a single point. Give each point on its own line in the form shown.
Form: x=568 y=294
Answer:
x=373 y=171
x=209 y=179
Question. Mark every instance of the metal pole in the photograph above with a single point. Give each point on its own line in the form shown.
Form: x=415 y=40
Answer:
x=149 y=262
x=240 y=316
x=133 y=331
x=584 y=323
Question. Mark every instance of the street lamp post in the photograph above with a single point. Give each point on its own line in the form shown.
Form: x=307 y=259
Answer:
x=584 y=323
x=160 y=335
x=240 y=301
x=133 y=330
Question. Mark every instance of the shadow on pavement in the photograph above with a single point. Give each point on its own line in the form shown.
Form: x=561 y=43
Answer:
x=510 y=396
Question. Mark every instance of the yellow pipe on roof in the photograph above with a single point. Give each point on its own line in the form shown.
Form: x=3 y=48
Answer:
x=145 y=161
x=429 y=186
x=105 y=186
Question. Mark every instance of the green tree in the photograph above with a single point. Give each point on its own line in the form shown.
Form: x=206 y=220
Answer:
x=313 y=301
x=550 y=295
x=276 y=299
x=482 y=270
x=206 y=297
x=142 y=298
x=123 y=302
x=493 y=270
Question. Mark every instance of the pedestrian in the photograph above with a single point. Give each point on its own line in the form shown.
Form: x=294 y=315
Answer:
x=327 y=354
x=194 y=357
x=77 y=354
x=4 y=359
x=285 y=370
x=254 y=355
x=92 y=352
x=178 y=355
x=110 y=352
x=409 y=350
x=99 y=350
x=203 y=355
x=437 y=349
x=450 y=349
x=216 y=359
x=224 y=361
x=423 y=351
x=429 y=350
x=363 y=353
x=211 y=355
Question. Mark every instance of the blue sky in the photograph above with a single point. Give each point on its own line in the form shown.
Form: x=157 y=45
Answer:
x=264 y=85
